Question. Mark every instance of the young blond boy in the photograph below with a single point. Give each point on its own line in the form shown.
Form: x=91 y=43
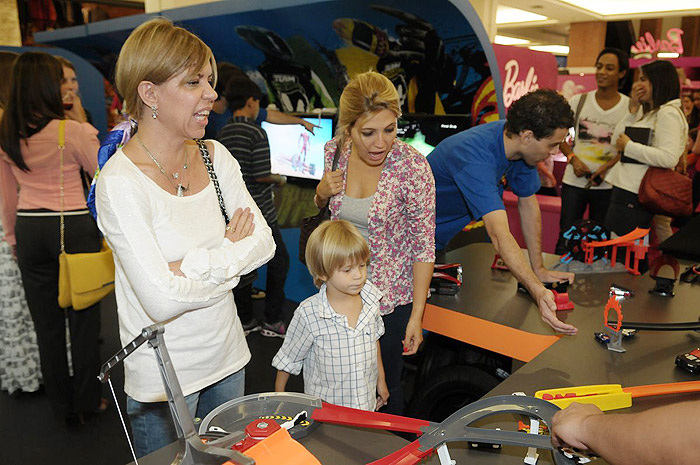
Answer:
x=334 y=335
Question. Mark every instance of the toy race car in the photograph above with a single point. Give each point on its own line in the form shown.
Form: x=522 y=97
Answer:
x=690 y=361
x=603 y=338
x=620 y=291
x=691 y=275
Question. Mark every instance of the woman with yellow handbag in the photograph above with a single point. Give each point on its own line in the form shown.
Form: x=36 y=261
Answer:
x=30 y=159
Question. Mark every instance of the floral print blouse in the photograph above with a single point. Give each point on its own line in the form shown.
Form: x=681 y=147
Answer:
x=401 y=219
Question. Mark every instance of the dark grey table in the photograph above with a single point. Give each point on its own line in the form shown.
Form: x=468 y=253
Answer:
x=580 y=360
x=490 y=313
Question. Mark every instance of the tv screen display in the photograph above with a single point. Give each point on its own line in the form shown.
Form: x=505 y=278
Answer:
x=294 y=151
x=424 y=132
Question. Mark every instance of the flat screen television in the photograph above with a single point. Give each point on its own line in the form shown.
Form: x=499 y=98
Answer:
x=424 y=132
x=294 y=151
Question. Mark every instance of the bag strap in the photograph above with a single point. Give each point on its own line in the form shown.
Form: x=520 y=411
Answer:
x=682 y=161
x=581 y=102
x=334 y=165
x=684 y=157
x=61 y=149
x=212 y=175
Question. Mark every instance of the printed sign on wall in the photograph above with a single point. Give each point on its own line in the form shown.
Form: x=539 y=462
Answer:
x=524 y=70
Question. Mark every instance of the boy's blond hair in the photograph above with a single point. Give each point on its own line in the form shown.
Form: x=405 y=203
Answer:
x=331 y=246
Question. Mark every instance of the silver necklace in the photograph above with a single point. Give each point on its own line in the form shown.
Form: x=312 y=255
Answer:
x=179 y=188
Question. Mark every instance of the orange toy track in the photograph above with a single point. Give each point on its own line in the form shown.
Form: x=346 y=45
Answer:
x=280 y=444
x=633 y=242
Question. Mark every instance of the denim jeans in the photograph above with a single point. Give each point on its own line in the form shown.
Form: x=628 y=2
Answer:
x=152 y=424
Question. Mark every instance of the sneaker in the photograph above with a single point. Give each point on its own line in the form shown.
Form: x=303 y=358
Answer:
x=278 y=329
x=257 y=294
x=251 y=326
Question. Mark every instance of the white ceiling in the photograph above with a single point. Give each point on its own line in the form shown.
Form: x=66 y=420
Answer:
x=561 y=14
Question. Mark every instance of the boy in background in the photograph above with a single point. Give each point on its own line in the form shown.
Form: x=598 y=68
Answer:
x=247 y=142
x=334 y=335
x=221 y=114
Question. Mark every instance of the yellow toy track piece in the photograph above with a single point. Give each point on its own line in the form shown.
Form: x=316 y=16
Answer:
x=612 y=396
x=604 y=396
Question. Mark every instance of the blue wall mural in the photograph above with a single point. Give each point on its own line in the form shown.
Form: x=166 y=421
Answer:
x=303 y=54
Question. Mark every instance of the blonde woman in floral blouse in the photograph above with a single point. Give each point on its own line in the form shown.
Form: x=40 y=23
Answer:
x=386 y=189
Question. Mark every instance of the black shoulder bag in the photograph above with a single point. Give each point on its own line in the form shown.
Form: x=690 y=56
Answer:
x=253 y=275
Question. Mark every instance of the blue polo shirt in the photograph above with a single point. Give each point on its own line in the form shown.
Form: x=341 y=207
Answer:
x=468 y=169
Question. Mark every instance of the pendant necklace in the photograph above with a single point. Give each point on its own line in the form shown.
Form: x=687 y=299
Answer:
x=179 y=188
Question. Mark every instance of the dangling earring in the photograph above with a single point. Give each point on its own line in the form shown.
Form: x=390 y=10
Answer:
x=154 y=111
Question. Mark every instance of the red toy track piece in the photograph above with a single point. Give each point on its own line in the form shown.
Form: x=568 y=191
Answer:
x=256 y=431
x=407 y=455
x=562 y=301
x=662 y=260
x=499 y=264
x=338 y=415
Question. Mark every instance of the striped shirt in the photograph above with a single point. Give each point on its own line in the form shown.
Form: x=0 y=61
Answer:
x=248 y=143
x=339 y=362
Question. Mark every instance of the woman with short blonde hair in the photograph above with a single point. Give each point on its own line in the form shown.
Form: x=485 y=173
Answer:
x=155 y=52
x=386 y=189
x=163 y=203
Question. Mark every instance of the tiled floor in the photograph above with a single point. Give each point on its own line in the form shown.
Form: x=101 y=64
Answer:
x=29 y=434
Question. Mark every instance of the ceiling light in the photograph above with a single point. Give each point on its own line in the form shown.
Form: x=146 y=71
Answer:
x=506 y=40
x=506 y=15
x=631 y=7
x=667 y=55
x=554 y=49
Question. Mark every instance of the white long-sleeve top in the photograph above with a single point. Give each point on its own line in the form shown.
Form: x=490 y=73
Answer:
x=147 y=228
x=668 y=139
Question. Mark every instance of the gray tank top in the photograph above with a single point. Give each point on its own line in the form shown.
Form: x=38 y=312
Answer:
x=356 y=211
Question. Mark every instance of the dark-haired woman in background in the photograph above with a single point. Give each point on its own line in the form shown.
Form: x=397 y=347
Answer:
x=694 y=115
x=19 y=354
x=30 y=159
x=70 y=88
x=657 y=92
